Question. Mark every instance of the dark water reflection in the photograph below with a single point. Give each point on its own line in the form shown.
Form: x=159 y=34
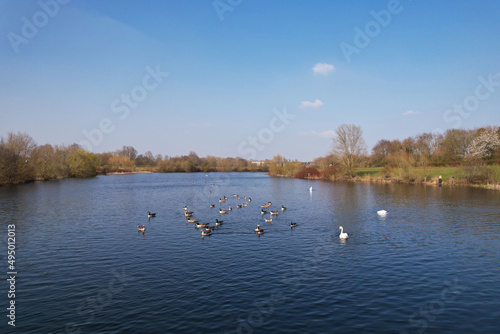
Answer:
x=431 y=265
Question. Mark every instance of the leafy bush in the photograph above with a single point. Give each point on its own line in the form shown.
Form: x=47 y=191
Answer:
x=332 y=172
x=307 y=172
x=475 y=171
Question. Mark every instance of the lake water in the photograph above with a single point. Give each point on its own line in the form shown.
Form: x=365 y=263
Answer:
x=432 y=265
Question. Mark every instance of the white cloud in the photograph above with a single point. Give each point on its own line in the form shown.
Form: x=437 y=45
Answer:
x=410 y=112
x=322 y=134
x=323 y=68
x=307 y=104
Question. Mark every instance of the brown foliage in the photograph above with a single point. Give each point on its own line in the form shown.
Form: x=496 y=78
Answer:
x=307 y=172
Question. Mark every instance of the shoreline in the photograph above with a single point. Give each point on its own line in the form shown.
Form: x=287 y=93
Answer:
x=126 y=173
x=432 y=182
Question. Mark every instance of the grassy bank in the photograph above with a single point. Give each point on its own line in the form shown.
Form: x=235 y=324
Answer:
x=450 y=175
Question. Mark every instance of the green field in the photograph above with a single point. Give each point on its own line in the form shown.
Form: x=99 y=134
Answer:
x=432 y=172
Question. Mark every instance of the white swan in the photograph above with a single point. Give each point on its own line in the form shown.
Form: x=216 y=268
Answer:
x=342 y=235
x=381 y=212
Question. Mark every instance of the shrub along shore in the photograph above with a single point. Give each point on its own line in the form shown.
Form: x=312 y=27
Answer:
x=483 y=176
x=458 y=157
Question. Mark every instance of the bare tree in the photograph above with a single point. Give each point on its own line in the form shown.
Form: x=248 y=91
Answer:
x=127 y=151
x=349 y=146
x=15 y=154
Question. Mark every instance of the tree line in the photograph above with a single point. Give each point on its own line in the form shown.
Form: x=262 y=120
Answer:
x=409 y=159
x=22 y=160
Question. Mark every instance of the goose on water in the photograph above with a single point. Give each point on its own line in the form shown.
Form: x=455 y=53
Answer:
x=200 y=225
x=151 y=214
x=206 y=233
x=141 y=228
x=192 y=220
x=218 y=222
x=258 y=229
x=283 y=208
x=263 y=212
x=292 y=224
x=274 y=213
x=188 y=214
x=342 y=234
x=268 y=220
x=222 y=211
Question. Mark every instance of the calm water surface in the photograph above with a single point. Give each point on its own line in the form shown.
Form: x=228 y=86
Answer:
x=432 y=265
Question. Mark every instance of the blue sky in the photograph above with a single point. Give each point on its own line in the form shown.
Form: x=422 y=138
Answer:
x=423 y=66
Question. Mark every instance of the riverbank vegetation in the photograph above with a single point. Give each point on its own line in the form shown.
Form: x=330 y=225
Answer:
x=460 y=157
x=22 y=160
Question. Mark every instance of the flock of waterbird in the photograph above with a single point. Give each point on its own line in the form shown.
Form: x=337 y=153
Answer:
x=206 y=229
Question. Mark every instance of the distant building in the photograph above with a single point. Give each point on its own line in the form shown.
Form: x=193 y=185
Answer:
x=258 y=162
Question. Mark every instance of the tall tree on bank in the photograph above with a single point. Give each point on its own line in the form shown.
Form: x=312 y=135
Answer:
x=15 y=158
x=349 y=146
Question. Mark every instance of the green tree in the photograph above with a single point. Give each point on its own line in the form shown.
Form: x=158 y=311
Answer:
x=83 y=164
x=45 y=162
